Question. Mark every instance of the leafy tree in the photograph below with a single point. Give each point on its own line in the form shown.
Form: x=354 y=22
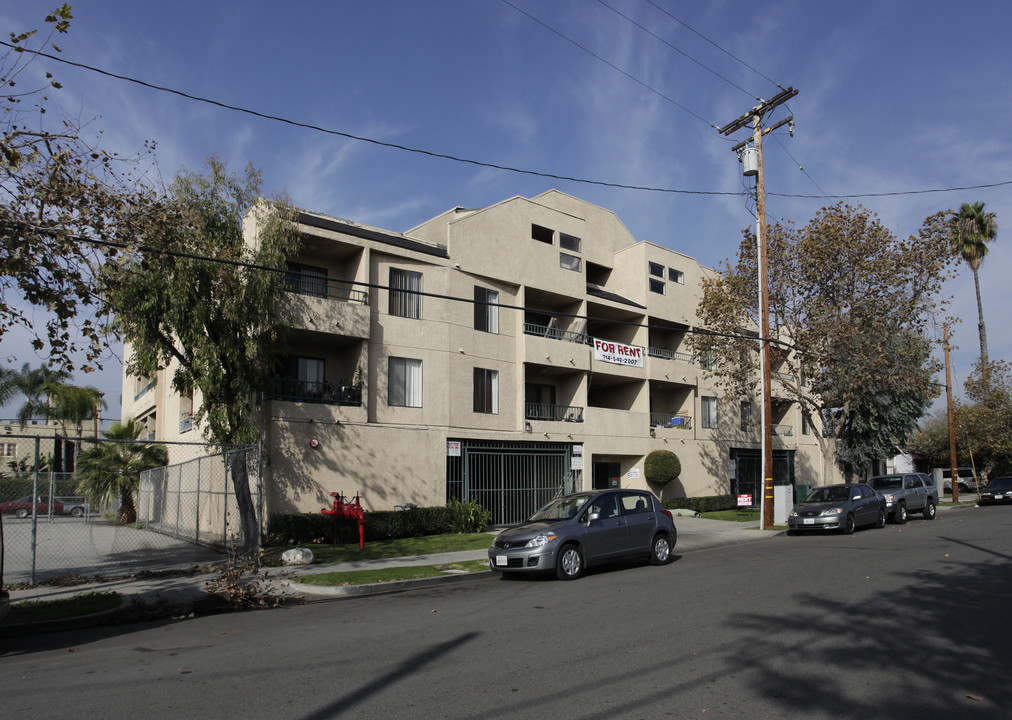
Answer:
x=984 y=419
x=849 y=305
x=211 y=316
x=57 y=191
x=661 y=467
x=112 y=470
x=973 y=229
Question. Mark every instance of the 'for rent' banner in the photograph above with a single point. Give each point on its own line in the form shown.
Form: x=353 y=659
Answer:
x=614 y=352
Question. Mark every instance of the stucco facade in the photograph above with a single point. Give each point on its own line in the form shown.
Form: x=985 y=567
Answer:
x=501 y=353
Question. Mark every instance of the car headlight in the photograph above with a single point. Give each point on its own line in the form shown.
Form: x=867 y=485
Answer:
x=794 y=513
x=834 y=511
x=890 y=498
x=539 y=540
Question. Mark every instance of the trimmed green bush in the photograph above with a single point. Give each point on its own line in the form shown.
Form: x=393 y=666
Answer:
x=661 y=467
x=306 y=528
x=703 y=504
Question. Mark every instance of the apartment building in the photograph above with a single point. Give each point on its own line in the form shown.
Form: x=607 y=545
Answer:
x=504 y=354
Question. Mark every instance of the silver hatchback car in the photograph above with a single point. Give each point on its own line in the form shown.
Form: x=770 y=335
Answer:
x=574 y=532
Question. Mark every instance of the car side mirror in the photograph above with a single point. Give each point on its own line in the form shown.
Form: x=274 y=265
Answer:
x=856 y=497
x=592 y=517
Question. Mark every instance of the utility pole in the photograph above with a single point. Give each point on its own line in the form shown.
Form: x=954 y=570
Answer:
x=755 y=117
x=952 y=424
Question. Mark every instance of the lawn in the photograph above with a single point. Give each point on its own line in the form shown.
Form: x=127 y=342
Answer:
x=400 y=547
x=732 y=515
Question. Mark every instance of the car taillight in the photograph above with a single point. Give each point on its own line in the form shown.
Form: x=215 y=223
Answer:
x=668 y=513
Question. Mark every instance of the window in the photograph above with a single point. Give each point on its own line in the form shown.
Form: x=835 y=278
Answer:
x=571 y=262
x=656 y=269
x=542 y=234
x=634 y=503
x=405 y=382
x=305 y=377
x=569 y=242
x=8 y=450
x=707 y=361
x=486 y=391
x=676 y=276
x=307 y=280
x=708 y=412
x=657 y=286
x=404 y=298
x=486 y=310
x=746 y=414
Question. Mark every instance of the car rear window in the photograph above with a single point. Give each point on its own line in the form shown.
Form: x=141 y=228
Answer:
x=887 y=483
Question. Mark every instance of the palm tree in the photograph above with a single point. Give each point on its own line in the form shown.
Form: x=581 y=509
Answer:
x=973 y=229
x=112 y=469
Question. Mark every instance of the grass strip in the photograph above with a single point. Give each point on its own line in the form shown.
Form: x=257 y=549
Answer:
x=400 y=547
x=394 y=574
x=61 y=608
x=749 y=515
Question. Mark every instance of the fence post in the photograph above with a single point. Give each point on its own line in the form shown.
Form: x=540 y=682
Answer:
x=196 y=519
x=35 y=505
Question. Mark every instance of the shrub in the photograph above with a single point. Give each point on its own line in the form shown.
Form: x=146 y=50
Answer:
x=661 y=467
x=469 y=517
x=702 y=504
x=306 y=528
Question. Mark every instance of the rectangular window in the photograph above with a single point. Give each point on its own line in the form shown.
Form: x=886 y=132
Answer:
x=405 y=286
x=486 y=391
x=657 y=286
x=486 y=310
x=571 y=262
x=676 y=276
x=746 y=415
x=707 y=361
x=307 y=280
x=569 y=242
x=405 y=382
x=656 y=269
x=708 y=412
x=542 y=234
x=9 y=449
x=806 y=429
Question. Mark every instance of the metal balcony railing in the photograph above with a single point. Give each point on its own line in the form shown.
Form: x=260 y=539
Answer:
x=186 y=423
x=670 y=354
x=679 y=421
x=554 y=413
x=325 y=393
x=326 y=288
x=783 y=430
x=555 y=333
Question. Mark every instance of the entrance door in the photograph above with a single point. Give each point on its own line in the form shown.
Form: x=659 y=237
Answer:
x=607 y=475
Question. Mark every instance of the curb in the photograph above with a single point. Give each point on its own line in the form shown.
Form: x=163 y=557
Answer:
x=369 y=589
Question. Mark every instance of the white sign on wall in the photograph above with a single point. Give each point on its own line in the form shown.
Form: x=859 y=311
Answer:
x=618 y=353
x=453 y=448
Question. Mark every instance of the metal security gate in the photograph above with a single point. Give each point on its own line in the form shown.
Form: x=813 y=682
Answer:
x=511 y=480
x=748 y=471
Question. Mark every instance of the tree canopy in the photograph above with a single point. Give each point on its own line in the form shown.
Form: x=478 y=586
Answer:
x=62 y=199
x=849 y=307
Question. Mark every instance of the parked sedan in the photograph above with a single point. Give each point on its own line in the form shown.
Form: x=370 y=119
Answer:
x=574 y=532
x=998 y=490
x=45 y=505
x=838 y=507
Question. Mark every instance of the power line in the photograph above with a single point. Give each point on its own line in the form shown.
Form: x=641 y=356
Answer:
x=679 y=51
x=443 y=156
x=612 y=66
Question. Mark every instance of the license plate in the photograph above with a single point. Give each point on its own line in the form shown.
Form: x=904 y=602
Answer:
x=501 y=560
x=809 y=521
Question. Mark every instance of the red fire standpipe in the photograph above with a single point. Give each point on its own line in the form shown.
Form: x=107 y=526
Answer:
x=345 y=509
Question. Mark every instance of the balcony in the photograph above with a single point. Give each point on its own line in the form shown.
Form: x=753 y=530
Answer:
x=554 y=333
x=666 y=354
x=553 y=413
x=185 y=423
x=329 y=288
x=783 y=430
x=324 y=393
x=679 y=421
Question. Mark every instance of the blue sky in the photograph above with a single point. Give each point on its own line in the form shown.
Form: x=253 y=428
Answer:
x=893 y=97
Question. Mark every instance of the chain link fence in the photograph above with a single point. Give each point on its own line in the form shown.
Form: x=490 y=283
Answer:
x=188 y=514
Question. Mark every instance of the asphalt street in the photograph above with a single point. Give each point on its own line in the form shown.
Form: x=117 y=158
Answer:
x=903 y=622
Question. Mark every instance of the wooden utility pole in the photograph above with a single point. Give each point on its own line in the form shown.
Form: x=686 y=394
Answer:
x=952 y=424
x=755 y=117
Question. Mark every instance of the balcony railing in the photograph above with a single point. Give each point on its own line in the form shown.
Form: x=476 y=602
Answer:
x=670 y=354
x=144 y=390
x=783 y=430
x=554 y=413
x=185 y=423
x=680 y=421
x=326 y=288
x=555 y=333
x=325 y=393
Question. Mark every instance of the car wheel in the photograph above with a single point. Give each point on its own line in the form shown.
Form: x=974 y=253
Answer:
x=900 y=516
x=849 y=525
x=77 y=512
x=964 y=488
x=660 y=550
x=569 y=564
x=929 y=511
x=881 y=522
x=21 y=513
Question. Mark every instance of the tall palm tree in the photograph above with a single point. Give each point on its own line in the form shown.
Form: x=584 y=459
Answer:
x=973 y=229
x=112 y=469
